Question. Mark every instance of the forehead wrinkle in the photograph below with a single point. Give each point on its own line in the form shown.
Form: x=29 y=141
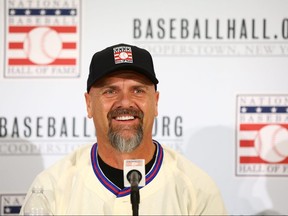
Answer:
x=131 y=75
x=122 y=82
x=108 y=81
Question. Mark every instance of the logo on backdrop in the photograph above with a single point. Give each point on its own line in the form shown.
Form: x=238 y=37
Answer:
x=262 y=135
x=168 y=130
x=45 y=135
x=51 y=135
x=224 y=37
x=42 y=38
x=10 y=204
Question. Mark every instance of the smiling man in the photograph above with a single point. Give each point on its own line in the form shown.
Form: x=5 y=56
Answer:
x=122 y=99
x=123 y=106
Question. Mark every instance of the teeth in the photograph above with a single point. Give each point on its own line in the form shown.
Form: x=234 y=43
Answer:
x=124 y=118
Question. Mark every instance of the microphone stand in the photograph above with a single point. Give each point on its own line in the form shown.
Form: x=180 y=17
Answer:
x=135 y=199
x=134 y=177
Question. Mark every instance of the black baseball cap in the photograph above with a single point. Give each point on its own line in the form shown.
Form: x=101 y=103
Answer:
x=121 y=57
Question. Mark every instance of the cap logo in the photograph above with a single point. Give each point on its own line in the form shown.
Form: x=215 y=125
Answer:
x=123 y=54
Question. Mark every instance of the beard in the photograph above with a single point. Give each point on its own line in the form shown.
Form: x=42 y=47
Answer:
x=118 y=140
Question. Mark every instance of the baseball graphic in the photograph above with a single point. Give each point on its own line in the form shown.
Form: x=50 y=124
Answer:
x=271 y=143
x=42 y=45
x=123 y=55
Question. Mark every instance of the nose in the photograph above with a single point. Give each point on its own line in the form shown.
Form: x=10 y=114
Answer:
x=124 y=100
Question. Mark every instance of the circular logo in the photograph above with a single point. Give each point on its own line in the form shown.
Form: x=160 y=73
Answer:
x=123 y=55
x=271 y=143
x=42 y=45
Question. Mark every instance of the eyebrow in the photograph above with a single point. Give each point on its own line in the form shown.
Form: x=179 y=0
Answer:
x=112 y=86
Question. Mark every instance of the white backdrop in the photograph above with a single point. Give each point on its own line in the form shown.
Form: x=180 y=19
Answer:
x=223 y=74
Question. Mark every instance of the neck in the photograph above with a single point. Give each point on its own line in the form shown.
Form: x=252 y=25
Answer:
x=115 y=159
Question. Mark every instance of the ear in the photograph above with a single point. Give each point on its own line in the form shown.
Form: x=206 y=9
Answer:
x=88 y=105
x=156 y=103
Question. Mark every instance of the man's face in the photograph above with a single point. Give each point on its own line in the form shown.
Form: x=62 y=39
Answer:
x=123 y=106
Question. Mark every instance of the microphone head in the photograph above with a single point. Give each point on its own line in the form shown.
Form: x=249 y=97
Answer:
x=134 y=176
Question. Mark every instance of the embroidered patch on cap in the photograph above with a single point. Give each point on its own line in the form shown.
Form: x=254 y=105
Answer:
x=123 y=54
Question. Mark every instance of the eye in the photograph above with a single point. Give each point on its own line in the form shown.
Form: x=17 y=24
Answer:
x=138 y=91
x=109 y=91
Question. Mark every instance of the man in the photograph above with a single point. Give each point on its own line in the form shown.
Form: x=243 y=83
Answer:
x=122 y=100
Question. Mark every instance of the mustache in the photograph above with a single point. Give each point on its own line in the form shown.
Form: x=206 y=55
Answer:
x=125 y=111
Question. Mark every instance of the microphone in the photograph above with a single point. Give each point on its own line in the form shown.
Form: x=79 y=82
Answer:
x=134 y=177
